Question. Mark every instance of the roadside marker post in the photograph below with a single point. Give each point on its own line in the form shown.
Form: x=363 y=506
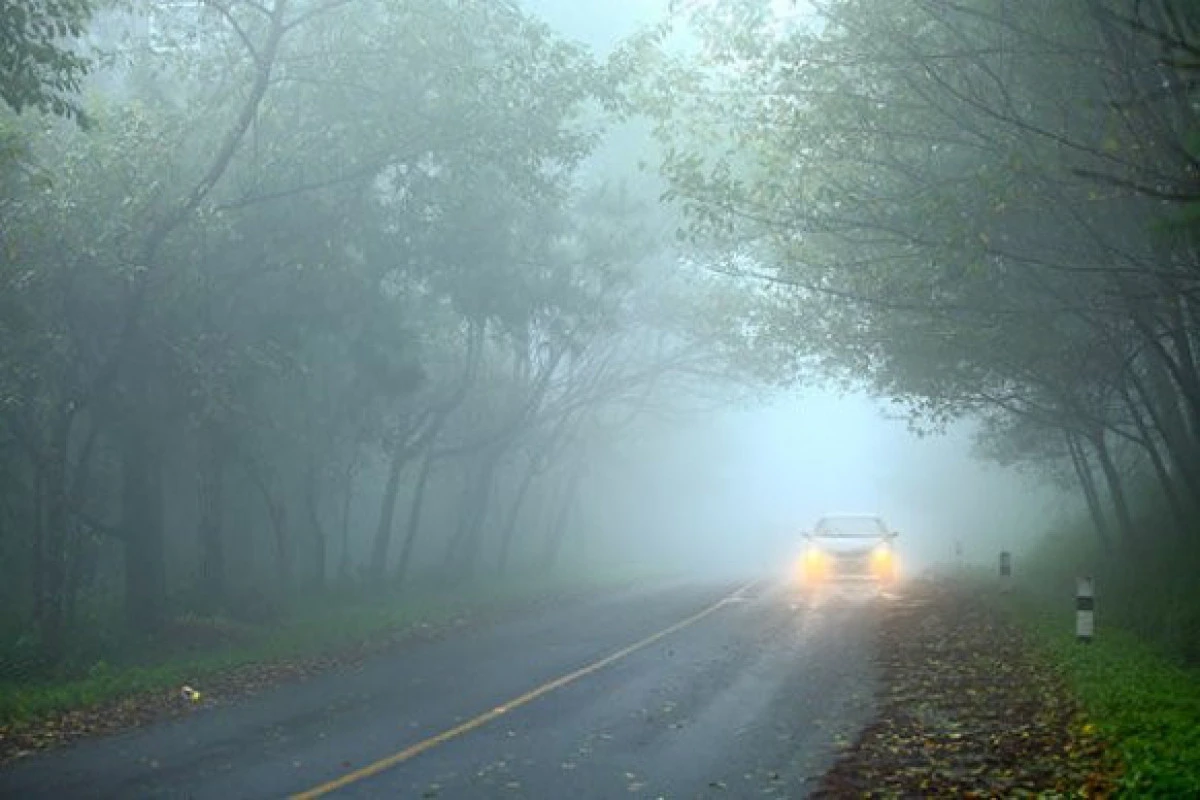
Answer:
x=1005 y=571
x=1085 y=609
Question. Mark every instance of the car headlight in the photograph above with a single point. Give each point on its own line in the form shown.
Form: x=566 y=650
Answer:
x=883 y=560
x=812 y=565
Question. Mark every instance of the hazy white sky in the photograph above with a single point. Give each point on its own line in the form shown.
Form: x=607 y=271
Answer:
x=600 y=23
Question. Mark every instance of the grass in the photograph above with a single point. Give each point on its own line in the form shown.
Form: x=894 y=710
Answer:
x=312 y=629
x=1141 y=700
x=1139 y=680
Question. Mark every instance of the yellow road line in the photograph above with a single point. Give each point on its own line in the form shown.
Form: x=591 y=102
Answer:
x=433 y=741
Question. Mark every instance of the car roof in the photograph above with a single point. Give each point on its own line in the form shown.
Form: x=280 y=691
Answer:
x=823 y=523
x=850 y=516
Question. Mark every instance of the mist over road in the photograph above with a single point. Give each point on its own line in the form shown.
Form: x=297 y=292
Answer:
x=745 y=692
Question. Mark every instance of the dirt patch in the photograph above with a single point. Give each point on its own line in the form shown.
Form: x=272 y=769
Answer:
x=968 y=709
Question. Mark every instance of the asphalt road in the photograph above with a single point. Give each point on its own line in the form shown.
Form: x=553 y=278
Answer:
x=676 y=691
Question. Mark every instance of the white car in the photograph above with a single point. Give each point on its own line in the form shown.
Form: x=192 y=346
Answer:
x=849 y=548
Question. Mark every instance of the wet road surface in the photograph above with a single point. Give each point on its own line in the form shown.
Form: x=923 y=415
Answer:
x=677 y=691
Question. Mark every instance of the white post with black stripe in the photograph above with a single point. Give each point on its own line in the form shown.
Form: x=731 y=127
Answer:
x=1085 y=609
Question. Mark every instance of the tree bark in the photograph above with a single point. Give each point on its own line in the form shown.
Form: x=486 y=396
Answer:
x=37 y=559
x=142 y=515
x=463 y=551
x=56 y=518
x=558 y=532
x=1166 y=481
x=213 y=579
x=277 y=512
x=1116 y=490
x=1159 y=400
x=428 y=440
x=312 y=506
x=387 y=512
x=508 y=530
x=1185 y=383
x=1185 y=357
x=414 y=514
x=166 y=224
x=75 y=539
x=1087 y=481
x=347 y=505
x=283 y=544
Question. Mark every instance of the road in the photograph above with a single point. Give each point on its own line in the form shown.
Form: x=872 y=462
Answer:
x=680 y=691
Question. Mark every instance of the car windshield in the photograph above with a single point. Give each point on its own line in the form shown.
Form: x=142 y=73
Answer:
x=850 y=525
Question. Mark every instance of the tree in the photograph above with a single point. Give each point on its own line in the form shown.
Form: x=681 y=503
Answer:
x=39 y=66
x=317 y=267
x=956 y=206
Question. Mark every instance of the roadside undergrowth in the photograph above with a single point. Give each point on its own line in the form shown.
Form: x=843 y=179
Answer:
x=230 y=662
x=1143 y=702
x=970 y=708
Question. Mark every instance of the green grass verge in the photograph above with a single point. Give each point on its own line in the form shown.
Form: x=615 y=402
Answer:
x=1142 y=702
x=313 y=628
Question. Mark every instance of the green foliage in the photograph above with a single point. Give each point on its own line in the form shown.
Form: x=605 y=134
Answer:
x=949 y=205
x=39 y=67
x=1140 y=678
x=1151 y=594
x=1145 y=705
x=275 y=242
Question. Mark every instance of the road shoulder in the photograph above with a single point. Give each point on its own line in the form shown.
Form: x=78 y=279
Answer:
x=969 y=708
x=140 y=696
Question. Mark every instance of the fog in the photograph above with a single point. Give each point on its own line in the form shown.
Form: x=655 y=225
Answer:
x=372 y=371
x=770 y=468
x=735 y=489
x=305 y=300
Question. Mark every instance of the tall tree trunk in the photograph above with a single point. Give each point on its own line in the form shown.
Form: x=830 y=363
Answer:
x=473 y=540
x=37 y=559
x=213 y=579
x=1083 y=471
x=476 y=331
x=387 y=513
x=1187 y=364
x=1116 y=490
x=283 y=546
x=277 y=512
x=76 y=544
x=1166 y=481
x=414 y=515
x=1184 y=378
x=508 y=530
x=176 y=214
x=54 y=534
x=313 y=508
x=558 y=532
x=142 y=514
x=73 y=546
x=464 y=546
x=465 y=507
x=347 y=505
x=1158 y=398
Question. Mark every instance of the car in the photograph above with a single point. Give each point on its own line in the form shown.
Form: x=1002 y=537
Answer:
x=844 y=548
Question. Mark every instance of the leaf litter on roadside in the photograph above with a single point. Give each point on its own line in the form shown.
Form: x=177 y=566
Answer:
x=220 y=686
x=968 y=709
